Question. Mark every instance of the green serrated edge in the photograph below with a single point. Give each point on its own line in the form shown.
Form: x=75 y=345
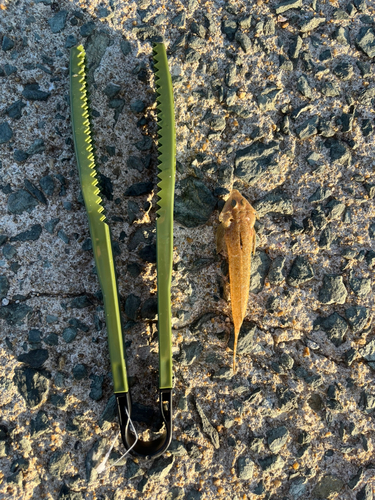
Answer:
x=164 y=222
x=82 y=134
x=99 y=229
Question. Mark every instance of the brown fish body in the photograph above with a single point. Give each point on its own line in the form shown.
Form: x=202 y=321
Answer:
x=236 y=236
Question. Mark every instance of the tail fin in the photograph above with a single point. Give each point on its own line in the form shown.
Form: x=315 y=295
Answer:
x=236 y=333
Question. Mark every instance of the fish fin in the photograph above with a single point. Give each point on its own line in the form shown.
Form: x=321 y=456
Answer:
x=226 y=290
x=254 y=242
x=221 y=246
x=236 y=333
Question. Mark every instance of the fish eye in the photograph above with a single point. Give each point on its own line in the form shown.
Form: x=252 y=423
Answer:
x=234 y=203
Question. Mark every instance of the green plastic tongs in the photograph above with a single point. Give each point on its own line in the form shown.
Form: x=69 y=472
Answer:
x=102 y=247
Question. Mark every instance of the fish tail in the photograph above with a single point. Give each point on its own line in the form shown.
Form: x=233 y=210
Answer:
x=236 y=332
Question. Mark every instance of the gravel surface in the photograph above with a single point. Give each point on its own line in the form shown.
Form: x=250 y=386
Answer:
x=273 y=98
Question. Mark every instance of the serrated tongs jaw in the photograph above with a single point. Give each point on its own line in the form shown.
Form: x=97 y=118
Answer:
x=99 y=229
x=102 y=248
x=164 y=223
x=82 y=135
x=164 y=248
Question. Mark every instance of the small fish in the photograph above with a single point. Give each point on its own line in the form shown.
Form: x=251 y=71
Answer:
x=236 y=239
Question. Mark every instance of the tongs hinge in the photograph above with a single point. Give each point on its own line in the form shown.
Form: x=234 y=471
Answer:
x=145 y=449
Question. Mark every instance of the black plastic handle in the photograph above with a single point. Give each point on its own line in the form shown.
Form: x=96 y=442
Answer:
x=145 y=449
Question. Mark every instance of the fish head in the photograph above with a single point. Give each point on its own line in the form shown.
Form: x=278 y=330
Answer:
x=237 y=207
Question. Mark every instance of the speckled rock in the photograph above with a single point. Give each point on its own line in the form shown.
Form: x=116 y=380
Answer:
x=207 y=427
x=149 y=309
x=300 y=272
x=287 y=5
x=243 y=41
x=358 y=317
x=277 y=438
x=6 y=133
x=271 y=463
x=298 y=488
x=327 y=237
x=50 y=225
x=196 y=203
x=161 y=468
x=58 y=463
x=360 y=286
x=365 y=493
x=21 y=201
x=295 y=47
x=330 y=89
x=320 y=194
x=32 y=92
x=311 y=24
x=267 y=99
x=40 y=424
x=33 y=190
x=277 y=202
x=368 y=351
x=15 y=110
x=190 y=352
x=327 y=486
x=252 y=162
x=14 y=313
x=57 y=22
x=132 y=305
x=304 y=87
x=335 y=327
x=47 y=184
x=335 y=209
x=276 y=273
x=111 y=90
x=339 y=152
x=245 y=468
x=96 y=47
x=343 y=70
x=259 y=269
x=34 y=358
x=92 y=460
x=245 y=342
x=365 y=40
x=69 y=334
x=31 y=234
x=4 y=286
x=308 y=128
x=284 y=363
x=7 y=43
x=32 y=384
x=333 y=290
x=96 y=387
